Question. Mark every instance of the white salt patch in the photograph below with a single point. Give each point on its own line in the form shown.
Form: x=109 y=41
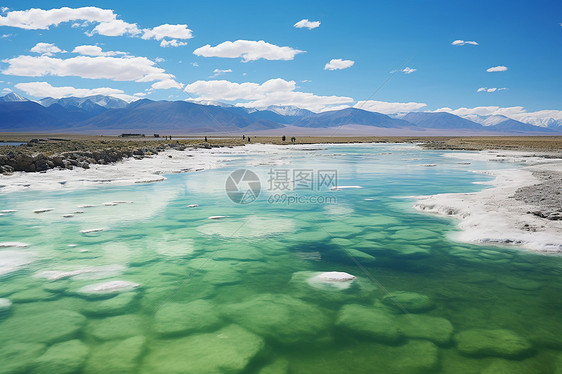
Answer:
x=91 y=230
x=13 y=244
x=368 y=199
x=91 y=272
x=110 y=204
x=109 y=287
x=12 y=261
x=193 y=205
x=44 y=210
x=491 y=216
x=8 y=211
x=72 y=245
x=84 y=251
x=217 y=217
x=86 y=206
x=5 y=305
x=332 y=279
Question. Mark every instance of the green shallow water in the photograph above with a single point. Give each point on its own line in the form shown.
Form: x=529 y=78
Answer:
x=231 y=295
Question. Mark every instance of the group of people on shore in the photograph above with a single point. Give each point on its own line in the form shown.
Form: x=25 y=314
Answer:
x=244 y=137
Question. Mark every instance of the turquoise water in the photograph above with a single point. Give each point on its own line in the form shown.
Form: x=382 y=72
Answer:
x=234 y=295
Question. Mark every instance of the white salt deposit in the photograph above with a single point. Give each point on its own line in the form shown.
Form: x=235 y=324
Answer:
x=109 y=287
x=331 y=279
x=13 y=244
x=44 y=210
x=5 y=305
x=193 y=205
x=91 y=272
x=8 y=211
x=87 y=231
x=13 y=260
x=217 y=217
x=86 y=206
x=491 y=216
x=110 y=203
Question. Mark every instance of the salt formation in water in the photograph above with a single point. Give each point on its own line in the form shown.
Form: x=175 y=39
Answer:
x=421 y=326
x=501 y=342
x=117 y=356
x=90 y=272
x=44 y=210
x=13 y=244
x=279 y=317
x=332 y=279
x=176 y=318
x=370 y=322
x=88 y=231
x=62 y=358
x=13 y=260
x=108 y=287
x=117 y=327
x=5 y=305
x=229 y=350
x=46 y=327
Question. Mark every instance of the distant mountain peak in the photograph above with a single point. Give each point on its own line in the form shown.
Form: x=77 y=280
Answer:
x=107 y=102
x=12 y=97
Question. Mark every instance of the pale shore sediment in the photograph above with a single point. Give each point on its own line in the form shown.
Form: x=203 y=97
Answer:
x=510 y=211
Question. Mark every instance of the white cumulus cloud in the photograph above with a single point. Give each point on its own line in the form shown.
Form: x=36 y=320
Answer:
x=168 y=31
x=94 y=50
x=388 y=107
x=305 y=23
x=496 y=69
x=40 y=19
x=139 y=69
x=166 y=84
x=491 y=89
x=408 y=70
x=171 y=43
x=46 y=49
x=338 y=64
x=254 y=95
x=248 y=50
x=116 y=27
x=463 y=42
x=218 y=72
x=44 y=89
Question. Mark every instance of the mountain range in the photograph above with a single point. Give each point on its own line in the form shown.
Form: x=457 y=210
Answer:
x=95 y=114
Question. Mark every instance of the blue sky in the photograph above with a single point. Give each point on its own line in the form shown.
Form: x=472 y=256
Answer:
x=379 y=37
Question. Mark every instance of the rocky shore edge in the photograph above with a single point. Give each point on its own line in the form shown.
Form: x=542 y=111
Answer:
x=41 y=155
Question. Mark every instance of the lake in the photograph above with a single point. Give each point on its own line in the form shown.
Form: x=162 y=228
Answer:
x=139 y=279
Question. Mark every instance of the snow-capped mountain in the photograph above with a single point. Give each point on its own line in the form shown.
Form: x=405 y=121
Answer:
x=12 y=97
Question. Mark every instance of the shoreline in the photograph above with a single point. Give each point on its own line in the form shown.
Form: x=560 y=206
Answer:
x=499 y=215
